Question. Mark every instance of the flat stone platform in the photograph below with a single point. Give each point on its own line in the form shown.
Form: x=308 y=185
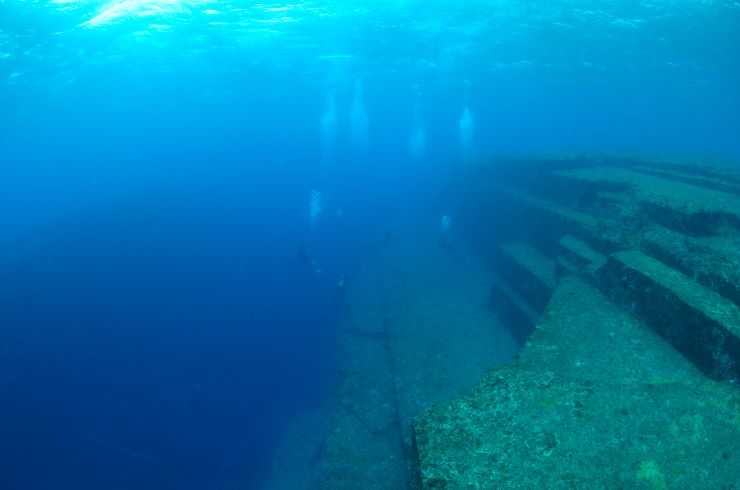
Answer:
x=596 y=400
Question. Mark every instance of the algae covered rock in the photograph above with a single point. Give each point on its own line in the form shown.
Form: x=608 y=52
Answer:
x=596 y=400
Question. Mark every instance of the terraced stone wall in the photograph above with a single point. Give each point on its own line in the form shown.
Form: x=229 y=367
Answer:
x=621 y=276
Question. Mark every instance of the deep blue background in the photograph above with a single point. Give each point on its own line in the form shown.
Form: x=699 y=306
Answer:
x=159 y=331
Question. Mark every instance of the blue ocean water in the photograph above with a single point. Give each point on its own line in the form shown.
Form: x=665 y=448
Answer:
x=161 y=312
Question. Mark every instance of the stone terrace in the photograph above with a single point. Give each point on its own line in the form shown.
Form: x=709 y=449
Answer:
x=623 y=274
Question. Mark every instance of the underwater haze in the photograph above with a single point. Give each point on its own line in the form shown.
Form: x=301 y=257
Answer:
x=185 y=185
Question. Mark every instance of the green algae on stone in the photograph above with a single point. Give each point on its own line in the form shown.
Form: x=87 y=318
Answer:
x=650 y=473
x=547 y=421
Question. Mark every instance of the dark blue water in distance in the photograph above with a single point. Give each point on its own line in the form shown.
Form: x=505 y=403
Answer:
x=157 y=162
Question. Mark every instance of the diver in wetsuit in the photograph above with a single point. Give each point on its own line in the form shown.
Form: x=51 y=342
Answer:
x=445 y=242
x=306 y=259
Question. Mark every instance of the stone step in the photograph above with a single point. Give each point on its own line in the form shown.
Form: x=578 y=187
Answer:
x=700 y=180
x=576 y=258
x=687 y=208
x=516 y=313
x=554 y=219
x=700 y=323
x=596 y=400
x=557 y=212
x=529 y=272
x=712 y=261
x=716 y=170
x=580 y=253
x=565 y=267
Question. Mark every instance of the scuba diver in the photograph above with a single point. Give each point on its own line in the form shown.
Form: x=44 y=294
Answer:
x=389 y=237
x=341 y=290
x=446 y=244
x=306 y=259
x=444 y=239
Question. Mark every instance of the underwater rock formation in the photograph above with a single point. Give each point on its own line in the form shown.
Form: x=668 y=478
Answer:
x=623 y=275
x=617 y=281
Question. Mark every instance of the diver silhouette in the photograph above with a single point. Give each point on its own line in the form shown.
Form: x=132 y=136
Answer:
x=306 y=259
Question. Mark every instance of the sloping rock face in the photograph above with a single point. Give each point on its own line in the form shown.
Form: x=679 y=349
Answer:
x=623 y=275
x=417 y=330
